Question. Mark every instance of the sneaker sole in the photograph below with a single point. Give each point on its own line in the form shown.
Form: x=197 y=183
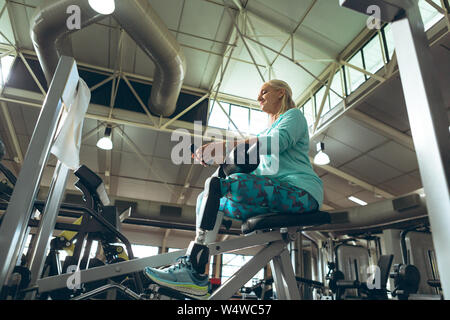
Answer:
x=191 y=290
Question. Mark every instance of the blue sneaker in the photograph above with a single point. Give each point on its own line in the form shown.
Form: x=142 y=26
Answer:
x=181 y=277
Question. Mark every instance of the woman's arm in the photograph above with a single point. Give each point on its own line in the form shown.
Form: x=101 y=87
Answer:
x=215 y=152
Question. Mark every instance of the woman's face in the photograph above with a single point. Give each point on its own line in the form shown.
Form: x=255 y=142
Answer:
x=270 y=99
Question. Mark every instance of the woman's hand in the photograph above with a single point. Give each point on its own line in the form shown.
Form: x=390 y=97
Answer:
x=210 y=153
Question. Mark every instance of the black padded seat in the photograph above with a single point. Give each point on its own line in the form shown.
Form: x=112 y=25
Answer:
x=282 y=220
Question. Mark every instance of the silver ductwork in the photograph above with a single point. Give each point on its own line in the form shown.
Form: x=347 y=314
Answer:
x=381 y=214
x=51 y=39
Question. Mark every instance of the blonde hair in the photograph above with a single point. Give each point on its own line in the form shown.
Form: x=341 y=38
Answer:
x=286 y=102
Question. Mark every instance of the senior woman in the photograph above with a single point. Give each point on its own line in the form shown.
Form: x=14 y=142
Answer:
x=284 y=181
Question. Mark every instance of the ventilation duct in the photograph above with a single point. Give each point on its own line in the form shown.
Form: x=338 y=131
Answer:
x=381 y=214
x=51 y=39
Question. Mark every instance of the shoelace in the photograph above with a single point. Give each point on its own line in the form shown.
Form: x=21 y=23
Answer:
x=179 y=263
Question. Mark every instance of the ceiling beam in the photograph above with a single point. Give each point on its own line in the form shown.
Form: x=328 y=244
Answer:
x=359 y=182
x=145 y=79
x=387 y=131
x=135 y=123
x=266 y=19
x=259 y=50
x=291 y=38
x=119 y=116
x=244 y=42
x=324 y=98
x=372 y=75
x=436 y=6
x=291 y=60
x=12 y=133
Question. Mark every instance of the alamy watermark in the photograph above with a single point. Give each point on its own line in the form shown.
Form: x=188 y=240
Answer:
x=73 y=22
x=74 y=280
x=374 y=20
x=374 y=279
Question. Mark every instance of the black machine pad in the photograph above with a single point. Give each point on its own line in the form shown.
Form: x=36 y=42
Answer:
x=282 y=220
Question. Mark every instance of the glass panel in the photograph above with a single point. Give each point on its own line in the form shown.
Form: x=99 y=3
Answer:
x=429 y=14
x=27 y=244
x=233 y=262
x=217 y=117
x=373 y=57
x=94 y=248
x=63 y=253
x=389 y=40
x=239 y=115
x=308 y=112
x=6 y=64
x=258 y=121
x=141 y=251
x=354 y=77
x=319 y=96
x=336 y=85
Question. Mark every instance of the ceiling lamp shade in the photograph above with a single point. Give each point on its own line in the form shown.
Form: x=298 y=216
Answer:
x=321 y=157
x=105 y=143
x=103 y=6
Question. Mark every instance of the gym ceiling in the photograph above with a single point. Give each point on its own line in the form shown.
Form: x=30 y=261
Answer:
x=368 y=140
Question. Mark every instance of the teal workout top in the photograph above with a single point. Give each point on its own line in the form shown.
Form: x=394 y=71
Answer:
x=284 y=148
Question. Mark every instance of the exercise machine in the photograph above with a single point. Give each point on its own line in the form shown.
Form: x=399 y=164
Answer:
x=367 y=290
x=417 y=277
x=15 y=223
x=98 y=221
x=271 y=232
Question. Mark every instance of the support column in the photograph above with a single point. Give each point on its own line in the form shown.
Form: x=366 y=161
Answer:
x=15 y=221
x=427 y=115
x=429 y=128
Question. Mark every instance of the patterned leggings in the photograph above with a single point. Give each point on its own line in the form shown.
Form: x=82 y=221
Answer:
x=247 y=195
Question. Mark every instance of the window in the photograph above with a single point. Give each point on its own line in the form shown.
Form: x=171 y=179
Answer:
x=63 y=253
x=354 y=77
x=27 y=244
x=308 y=112
x=389 y=40
x=240 y=117
x=247 y=120
x=217 y=117
x=430 y=16
x=142 y=251
x=5 y=67
x=319 y=97
x=373 y=56
x=233 y=262
x=258 y=121
x=336 y=85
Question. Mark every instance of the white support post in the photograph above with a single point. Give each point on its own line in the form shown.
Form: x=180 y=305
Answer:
x=427 y=116
x=16 y=218
x=429 y=127
x=292 y=291
x=278 y=281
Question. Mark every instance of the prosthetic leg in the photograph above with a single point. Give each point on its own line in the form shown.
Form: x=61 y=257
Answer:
x=243 y=158
x=198 y=251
